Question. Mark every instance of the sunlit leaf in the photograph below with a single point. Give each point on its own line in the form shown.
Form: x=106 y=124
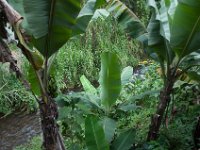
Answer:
x=87 y=86
x=126 y=75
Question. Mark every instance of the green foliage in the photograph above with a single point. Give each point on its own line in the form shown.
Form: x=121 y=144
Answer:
x=184 y=39
x=138 y=99
x=34 y=144
x=69 y=69
x=33 y=80
x=145 y=81
x=94 y=134
x=130 y=23
x=183 y=122
x=13 y=96
x=124 y=141
x=73 y=125
x=177 y=132
x=83 y=55
x=87 y=86
x=91 y=99
x=75 y=106
x=109 y=126
x=110 y=80
x=139 y=8
x=126 y=75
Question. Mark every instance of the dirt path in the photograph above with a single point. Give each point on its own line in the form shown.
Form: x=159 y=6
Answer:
x=17 y=129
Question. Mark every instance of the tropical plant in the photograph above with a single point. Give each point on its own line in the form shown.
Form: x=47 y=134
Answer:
x=101 y=108
x=44 y=28
x=169 y=38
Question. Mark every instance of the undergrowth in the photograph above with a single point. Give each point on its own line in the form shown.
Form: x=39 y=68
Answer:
x=13 y=97
x=82 y=55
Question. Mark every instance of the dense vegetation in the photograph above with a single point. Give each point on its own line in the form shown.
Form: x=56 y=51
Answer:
x=118 y=84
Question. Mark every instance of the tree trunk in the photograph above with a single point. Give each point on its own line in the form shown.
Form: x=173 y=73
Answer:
x=156 y=119
x=52 y=140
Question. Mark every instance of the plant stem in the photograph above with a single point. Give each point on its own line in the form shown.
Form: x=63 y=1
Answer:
x=51 y=137
x=165 y=98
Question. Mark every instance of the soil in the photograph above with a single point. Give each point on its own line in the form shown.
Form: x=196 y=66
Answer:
x=17 y=129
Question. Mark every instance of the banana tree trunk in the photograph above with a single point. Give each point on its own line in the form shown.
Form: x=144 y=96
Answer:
x=156 y=119
x=51 y=137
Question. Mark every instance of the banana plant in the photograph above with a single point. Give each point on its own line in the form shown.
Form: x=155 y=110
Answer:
x=42 y=28
x=110 y=87
x=100 y=127
x=100 y=106
x=171 y=38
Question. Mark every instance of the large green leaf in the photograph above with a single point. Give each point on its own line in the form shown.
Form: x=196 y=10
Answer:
x=160 y=10
x=185 y=30
x=51 y=22
x=126 y=75
x=110 y=80
x=127 y=19
x=109 y=126
x=155 y=43
x=190 y=60
x=94 y=134
x=159 y=31
x=124 y=141
x=161 y=15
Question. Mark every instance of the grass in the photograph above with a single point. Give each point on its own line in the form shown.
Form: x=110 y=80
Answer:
x=34 y=144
